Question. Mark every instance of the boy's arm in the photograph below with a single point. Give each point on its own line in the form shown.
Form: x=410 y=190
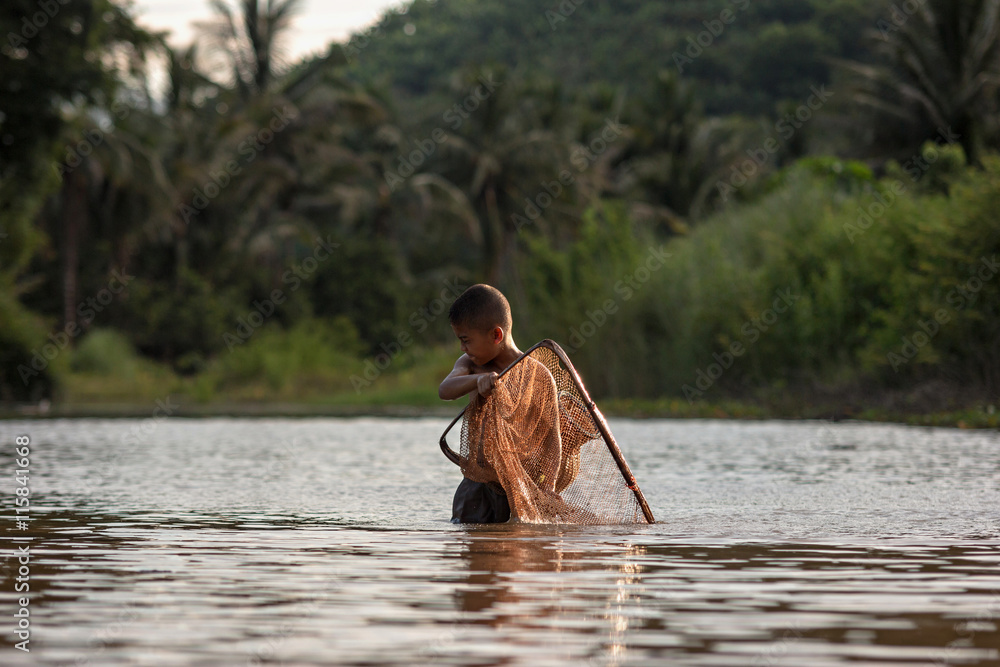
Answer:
x=464 y=379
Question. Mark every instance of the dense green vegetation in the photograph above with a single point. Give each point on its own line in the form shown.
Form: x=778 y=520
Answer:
x=787 y=203
x=760 y=54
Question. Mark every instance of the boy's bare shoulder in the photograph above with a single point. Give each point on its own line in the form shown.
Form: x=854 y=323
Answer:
x=463 y=366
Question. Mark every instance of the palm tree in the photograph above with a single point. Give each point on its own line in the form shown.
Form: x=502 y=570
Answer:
x=113 y=183
x=111 y=200
x=502 y=155
x=942 y=70
x=675 y=158
x=250 y=37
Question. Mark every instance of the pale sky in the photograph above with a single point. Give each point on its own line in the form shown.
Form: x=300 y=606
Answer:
x=318 y=23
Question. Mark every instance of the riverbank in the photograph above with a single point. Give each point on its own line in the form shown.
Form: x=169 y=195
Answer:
x=980 y=417
x=985 y=417
x=125 y=385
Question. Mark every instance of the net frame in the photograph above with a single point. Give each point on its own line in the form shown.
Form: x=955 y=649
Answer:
x=592 y=410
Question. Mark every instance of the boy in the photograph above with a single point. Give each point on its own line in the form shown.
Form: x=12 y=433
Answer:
x=481 y=320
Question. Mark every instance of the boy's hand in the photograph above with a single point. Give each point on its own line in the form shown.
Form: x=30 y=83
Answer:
x=485 y=383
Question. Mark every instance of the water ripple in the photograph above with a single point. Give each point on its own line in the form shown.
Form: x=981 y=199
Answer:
x=326 y=541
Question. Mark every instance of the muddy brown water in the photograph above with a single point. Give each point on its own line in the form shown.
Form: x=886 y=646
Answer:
x=327 y=542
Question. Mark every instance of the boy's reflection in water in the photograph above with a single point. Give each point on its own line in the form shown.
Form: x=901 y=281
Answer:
x=517 y=577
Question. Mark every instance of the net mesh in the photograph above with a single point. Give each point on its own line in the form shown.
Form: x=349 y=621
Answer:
x=539 y=437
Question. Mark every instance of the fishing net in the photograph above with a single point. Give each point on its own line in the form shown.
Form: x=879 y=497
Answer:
x=540 y=437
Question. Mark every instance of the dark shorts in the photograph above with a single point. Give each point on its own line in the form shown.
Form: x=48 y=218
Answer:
x=476 y=502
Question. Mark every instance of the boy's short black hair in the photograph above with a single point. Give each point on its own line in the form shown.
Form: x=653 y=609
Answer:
x=481 y=307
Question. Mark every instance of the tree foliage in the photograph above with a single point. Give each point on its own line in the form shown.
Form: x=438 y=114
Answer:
x=940 y=69
x=640 y=178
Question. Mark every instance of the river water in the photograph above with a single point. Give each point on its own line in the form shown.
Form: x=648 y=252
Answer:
x=327 y=542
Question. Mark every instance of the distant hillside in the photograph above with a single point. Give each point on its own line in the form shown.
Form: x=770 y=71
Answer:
x=745 y=56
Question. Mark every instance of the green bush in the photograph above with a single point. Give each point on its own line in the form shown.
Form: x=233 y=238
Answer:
x=105 y=352
x=869 y=264
x=578 y=295
x=26 y=374
x=313 y=356
x=183 y=322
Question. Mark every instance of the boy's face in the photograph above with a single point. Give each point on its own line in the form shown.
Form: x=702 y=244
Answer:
x=480 y=346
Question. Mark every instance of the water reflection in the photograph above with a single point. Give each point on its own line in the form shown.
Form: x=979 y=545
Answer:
x=526 y=580
x=780 y=544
